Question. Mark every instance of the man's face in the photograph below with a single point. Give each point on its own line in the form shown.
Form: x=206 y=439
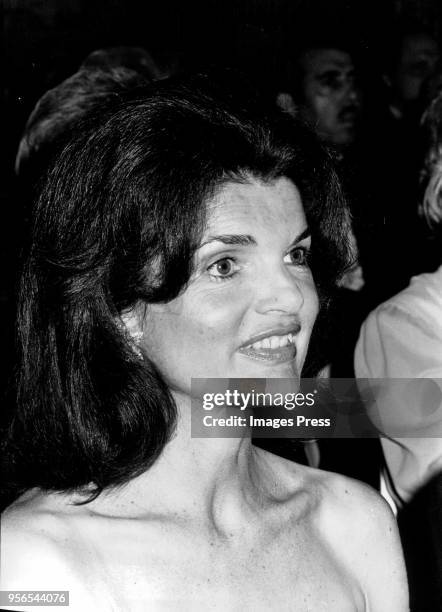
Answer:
x=420 y=54
x=331 y=99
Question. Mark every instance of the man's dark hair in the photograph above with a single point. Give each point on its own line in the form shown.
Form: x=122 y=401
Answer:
x=59 y=110
x=116 y=225
x=137 y=59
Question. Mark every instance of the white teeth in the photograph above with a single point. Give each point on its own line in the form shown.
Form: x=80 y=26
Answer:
x=273 y=342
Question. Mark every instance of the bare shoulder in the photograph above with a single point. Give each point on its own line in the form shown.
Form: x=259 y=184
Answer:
x=358 y=523
x=332 y=495
x=37 y=553
x=355 y=527
x=361 y=506
x=27 y=524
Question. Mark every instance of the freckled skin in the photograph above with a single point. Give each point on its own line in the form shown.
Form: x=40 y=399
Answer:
x=198 y=334
x=309 y=547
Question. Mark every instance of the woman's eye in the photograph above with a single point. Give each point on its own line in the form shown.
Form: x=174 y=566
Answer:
x=299 y=256
x=223 y=268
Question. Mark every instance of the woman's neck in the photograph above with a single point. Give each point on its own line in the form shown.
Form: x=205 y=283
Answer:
x=215 y=480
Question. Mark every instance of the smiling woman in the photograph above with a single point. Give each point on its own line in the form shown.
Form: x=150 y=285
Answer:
x=179 y=234
x=251 y=290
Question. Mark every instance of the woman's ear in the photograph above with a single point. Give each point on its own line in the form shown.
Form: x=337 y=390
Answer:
x=286 y=103
x=131 y=322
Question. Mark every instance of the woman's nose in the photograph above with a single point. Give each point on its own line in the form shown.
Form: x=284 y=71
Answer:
x=280 y=292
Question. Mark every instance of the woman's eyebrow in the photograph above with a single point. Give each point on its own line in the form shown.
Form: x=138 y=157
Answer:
x=246 y=239
x=304 y=234
x=235 y=239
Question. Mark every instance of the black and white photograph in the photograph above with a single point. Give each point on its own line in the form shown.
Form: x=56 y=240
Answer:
x=221 y=306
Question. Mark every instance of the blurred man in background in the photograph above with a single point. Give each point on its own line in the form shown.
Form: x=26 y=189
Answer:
x=322 y=88
x=412 y=62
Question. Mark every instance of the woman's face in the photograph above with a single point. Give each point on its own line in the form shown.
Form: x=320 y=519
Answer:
x=250 y=305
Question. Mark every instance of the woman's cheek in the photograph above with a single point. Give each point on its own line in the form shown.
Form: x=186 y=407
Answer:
x=220 y=316
x=314 y=303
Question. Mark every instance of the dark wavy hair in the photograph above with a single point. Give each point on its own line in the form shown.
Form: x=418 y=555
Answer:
x=116 y=224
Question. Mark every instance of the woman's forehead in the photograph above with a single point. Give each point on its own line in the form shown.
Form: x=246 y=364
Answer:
x=254 y=201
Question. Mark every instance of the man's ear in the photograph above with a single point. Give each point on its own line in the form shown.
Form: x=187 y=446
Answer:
x=286 y=103
x=387 y=80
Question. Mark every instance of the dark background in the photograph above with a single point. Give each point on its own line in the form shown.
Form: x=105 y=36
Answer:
x=45 y=40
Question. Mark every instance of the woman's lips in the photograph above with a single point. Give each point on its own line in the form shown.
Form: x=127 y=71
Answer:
x=275 y=355
x=276 y=345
